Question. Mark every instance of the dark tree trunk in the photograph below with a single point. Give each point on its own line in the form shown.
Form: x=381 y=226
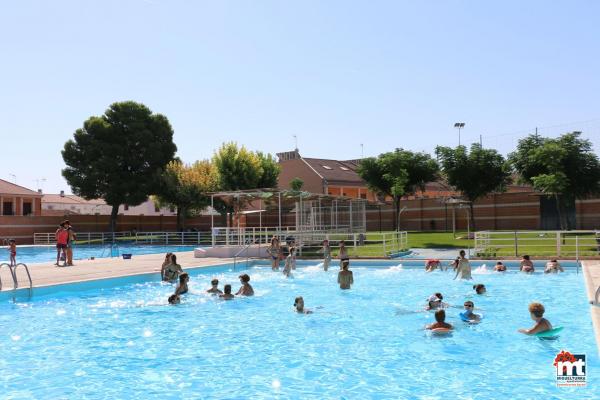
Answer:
x=397 y=210
x=180 y=218
x=113 y=217
x=560 y=214
x=472 y=218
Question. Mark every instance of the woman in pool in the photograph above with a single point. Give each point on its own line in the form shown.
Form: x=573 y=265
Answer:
x=526 y=265
x=287 y=269
x=245 y=289
x=434 y=302
x=345 y=276
x=227 y=295
x=500 y=267
x=479 y=288
x=299 y=304
x=214 y=287
x=183 y=284
x=273 y=250
x=553 y=267
x=326 y=250
x=468 y=314
x=343 y=255
x=536 y=311
x=440 y=321
x=171 y=270
x=463 y=268
x=432 y=264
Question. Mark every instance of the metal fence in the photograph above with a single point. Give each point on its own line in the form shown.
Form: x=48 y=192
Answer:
x=374 y=244
x=540 y=243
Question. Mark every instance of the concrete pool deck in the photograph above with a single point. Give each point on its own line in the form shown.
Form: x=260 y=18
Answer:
x=591 y=274
x=47 y=274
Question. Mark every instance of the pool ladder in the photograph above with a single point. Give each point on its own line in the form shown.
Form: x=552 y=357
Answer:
x=13 y=274
x=235 y=257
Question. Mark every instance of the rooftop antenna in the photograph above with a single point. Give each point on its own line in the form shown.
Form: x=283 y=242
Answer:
x=362 y=150
x=296 y=142
x=14 y=177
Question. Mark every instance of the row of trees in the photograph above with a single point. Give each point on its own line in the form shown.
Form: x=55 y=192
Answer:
x=565 y=168
x=128 y=154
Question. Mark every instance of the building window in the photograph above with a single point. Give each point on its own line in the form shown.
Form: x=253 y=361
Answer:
x=50 y=207
x=326 y=166
x=126 y=207
x=27 y=209
x=363 y=195
x=344 y=169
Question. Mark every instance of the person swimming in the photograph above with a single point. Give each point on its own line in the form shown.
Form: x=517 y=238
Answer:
x=479 y=288
x=553 y=267
x=536 y=311
x=500 y=267
x=287 y=269
x=214 y=287
x=326 y=250
x=273 y=250
x=432 y=264
x=463 y=268
x=343 y=254
x=468 y=314
x=174 y=299
x=227 y=295
x=526 y=265
x=299 y=304
x=434 y=302
x=345 y=276
x=440 y=321
x=183 y=284
x=246 y=289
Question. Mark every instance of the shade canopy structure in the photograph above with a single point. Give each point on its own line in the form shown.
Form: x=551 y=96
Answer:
x=314 y=211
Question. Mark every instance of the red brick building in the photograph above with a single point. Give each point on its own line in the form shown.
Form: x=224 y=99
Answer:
x=18 y=200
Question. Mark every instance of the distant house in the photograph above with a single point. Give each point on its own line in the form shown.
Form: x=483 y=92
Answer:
x=64 y=204
x=338 y=177
x=18 y=200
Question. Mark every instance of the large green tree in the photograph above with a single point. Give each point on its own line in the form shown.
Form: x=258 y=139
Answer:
x=185 y=187
x=564 y=168
x=397 y=174
x=475 y=173
x=242 y=169
x=119 y=156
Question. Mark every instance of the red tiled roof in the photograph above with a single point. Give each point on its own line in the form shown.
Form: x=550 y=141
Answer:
x=335 y=170
x=8 y=188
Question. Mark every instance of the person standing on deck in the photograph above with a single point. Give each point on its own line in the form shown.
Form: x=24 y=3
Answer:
x=70 y=242
x=62 y=237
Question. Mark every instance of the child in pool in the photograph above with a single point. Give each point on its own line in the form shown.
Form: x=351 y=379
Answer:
x=479 y=288
x=536 y=311
x=214 y=287
x=440 y=321
x=289 y=260
x=227 y=295
x=434 y=302
x=553 y=267
x=526 y=265
x=500 y=267
x=326 y=250
x=182 y=288
x=299 y=304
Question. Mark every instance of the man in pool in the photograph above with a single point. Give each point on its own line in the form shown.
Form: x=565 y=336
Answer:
x=500 y=267
x=468 y=313
x=553 y=267
x=227 y=295
x=246 y=289
x=299 y=304
x=526 y=265
x=440 y=321
x=536 y=311
x=215 y=287
x=345 y=276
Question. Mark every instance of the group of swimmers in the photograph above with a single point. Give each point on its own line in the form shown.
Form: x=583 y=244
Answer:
x=172 y=272
x=463 y=269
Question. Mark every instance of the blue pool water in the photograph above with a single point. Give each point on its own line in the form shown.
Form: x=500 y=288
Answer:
x=40 y=254
x=368 y=342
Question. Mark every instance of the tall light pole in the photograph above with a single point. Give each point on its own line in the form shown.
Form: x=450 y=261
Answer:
x=459 y=125
x=362 y=151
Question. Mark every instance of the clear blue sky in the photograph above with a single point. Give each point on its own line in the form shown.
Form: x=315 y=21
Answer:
x=335 y=73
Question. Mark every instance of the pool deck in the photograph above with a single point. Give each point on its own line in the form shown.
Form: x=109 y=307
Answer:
x=47 y=274
x=591 y=273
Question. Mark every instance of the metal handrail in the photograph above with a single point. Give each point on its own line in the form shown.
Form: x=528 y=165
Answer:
x=28 y=276
x=236 y=255
x=12 y=274
x=597 y=297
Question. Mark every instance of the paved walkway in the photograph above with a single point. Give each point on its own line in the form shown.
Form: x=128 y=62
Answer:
x=47 y=274
x=591 y=273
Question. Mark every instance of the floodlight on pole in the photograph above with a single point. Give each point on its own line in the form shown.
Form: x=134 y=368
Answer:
x=459 y=126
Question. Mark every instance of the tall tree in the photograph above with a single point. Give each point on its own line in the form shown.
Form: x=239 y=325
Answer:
x=564 y=168
x=241 y=169
x=119 y=156
x=186 y=186
x=475 y=173
x=397 y=174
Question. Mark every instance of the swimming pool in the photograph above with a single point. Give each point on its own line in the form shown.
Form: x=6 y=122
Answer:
x=125 y=342
x=40 y=254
